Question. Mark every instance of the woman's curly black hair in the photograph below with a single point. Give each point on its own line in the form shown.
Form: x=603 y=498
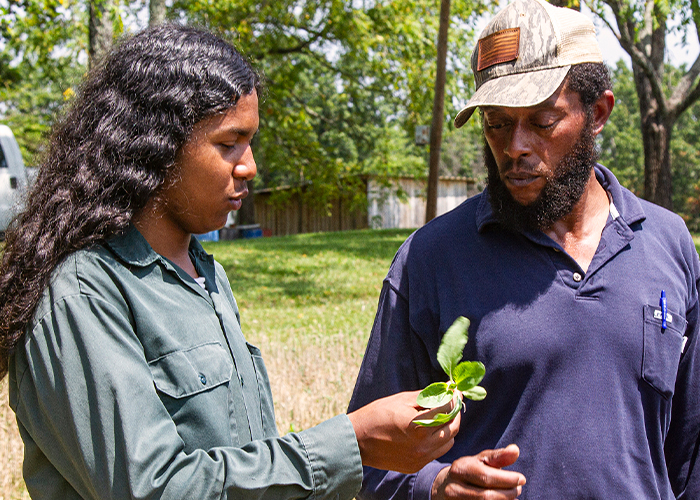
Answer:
x=111 y=152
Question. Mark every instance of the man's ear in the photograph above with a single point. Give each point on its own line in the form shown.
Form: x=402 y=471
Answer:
x=601 y=110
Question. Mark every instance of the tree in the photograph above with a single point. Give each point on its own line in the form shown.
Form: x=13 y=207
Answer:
x=339 y=76
x=156 y=12
x=346 y=80
x=40 y=46
x=438 y=113
x=100 y=28
x=642 y=28
x=622 y=148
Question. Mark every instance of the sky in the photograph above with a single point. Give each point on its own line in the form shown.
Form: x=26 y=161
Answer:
x=612 y=51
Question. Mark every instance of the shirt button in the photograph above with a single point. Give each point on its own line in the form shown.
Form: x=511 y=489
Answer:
x=577 y=277
x=203 y=379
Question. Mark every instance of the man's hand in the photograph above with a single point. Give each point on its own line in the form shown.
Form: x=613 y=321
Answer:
x=389 y=440
x=480 y=477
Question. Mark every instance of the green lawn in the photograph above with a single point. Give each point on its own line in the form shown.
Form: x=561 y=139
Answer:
x=309 y=283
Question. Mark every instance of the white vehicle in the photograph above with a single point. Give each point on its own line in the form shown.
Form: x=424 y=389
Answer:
x=13 y=177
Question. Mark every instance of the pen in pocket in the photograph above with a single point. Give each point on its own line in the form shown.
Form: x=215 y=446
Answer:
x=664 y=310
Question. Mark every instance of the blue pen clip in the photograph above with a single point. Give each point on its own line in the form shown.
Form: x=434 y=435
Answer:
x=664 y=310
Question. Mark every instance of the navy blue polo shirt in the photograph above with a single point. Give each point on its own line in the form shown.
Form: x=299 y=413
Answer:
x=603 y=402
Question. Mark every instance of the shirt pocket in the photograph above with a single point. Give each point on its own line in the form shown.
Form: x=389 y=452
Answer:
x=184 y=373
x=662 y=350
x=267 y=409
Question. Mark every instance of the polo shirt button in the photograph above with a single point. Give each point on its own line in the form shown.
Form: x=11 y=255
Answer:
x=577 y=277
x=203 y=379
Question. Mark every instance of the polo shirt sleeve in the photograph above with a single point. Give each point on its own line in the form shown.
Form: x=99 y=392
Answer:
x=390 y=365
x=682 y=445
x=87 y=409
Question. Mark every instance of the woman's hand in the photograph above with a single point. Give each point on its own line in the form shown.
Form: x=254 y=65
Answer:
x=389 y=439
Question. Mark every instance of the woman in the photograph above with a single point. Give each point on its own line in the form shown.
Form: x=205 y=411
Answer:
x=128 y=371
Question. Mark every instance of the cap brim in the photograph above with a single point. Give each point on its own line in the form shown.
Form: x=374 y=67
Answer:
x=514 y=91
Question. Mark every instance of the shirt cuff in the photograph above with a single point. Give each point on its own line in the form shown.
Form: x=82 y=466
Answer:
x=334 y=456
x=423 y=485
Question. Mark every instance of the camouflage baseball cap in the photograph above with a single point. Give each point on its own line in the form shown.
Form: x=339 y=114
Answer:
x=525 y=52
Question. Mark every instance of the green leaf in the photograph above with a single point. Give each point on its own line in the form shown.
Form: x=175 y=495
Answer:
x=450 y=351
x=435 y=395
x=468 y=374
x=440 y=418
x=475 y=393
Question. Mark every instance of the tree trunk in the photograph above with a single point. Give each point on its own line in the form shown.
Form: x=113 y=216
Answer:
x=658 y=185
x=656 y=137
x=100 y=30
x=156 y=12
x=438 y=113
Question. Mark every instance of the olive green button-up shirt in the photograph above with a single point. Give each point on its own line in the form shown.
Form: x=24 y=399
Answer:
x=133 y=381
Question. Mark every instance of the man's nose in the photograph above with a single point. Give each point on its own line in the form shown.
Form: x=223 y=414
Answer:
x=519 y=142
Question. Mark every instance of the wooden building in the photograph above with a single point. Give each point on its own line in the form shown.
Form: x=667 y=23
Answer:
x=384 y=209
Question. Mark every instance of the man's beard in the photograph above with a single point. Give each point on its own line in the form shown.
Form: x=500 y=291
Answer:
x=559 y=195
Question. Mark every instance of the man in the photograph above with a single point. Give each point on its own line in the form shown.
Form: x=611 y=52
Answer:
x=561 y=272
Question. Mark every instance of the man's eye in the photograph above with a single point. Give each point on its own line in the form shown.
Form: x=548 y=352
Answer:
x=494 y=125
x=545 y=123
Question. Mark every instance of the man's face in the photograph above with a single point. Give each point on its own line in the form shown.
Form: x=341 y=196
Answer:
x=539 y=159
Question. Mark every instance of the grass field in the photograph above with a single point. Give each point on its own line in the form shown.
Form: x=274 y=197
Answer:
x=306 y=301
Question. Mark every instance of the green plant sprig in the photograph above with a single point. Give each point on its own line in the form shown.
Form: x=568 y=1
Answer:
x=463 y=377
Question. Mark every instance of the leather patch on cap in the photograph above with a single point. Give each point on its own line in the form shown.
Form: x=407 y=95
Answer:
x=499 y=47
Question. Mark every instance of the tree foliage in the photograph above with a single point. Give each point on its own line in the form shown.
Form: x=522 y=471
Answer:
x=40 y=46
x=347 y=81
x=642 y=28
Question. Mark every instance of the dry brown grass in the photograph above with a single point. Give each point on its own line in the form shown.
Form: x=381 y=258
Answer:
x=11 y=451
x=312 y=375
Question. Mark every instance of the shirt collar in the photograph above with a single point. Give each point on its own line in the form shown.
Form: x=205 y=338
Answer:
x=132 y=248
x=626 y=203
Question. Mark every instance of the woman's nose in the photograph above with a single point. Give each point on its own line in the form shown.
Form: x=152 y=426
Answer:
x=246 y=168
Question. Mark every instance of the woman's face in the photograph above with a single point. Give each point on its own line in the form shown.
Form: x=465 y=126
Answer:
x=212 y=168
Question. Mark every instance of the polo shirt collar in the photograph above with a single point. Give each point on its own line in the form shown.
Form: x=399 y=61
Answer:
x=626 y=203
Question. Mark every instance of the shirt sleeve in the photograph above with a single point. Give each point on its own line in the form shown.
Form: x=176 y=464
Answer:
x=392 y=363
x=88 y=409
x=683 y=439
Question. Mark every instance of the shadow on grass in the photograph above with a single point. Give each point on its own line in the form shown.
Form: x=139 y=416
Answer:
x=365 y=244
x=308 y=268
